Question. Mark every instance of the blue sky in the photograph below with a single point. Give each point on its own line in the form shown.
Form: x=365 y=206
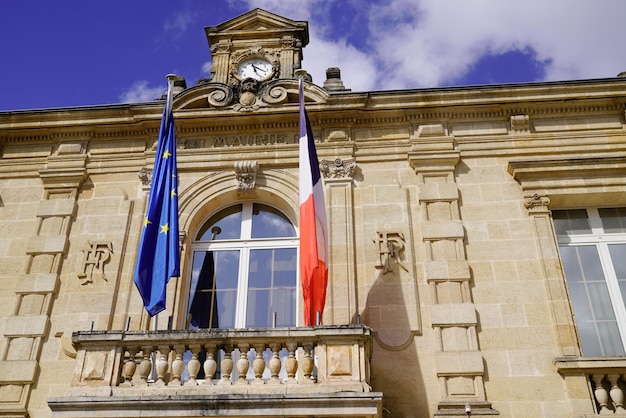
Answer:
x=78 y=52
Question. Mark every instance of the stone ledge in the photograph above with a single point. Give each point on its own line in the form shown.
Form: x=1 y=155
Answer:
x=344 y=404
x=587 y=365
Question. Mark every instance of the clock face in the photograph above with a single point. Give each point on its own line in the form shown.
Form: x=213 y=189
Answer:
x=256 y=68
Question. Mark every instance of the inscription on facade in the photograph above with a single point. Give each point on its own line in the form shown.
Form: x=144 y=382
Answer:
x=218 y=141
x=244 y=140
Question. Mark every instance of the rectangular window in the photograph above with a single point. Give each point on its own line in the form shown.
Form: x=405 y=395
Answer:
x=592 y=243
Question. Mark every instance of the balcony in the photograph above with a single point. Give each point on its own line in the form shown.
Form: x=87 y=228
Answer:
x=605 y=378
x=320 y=371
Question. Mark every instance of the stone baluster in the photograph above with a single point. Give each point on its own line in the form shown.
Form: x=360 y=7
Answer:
x=162 y=365
x=275 y=364
x=129 y=367
x=308 y=364
x=617 y=394
x=145 y=367
x=193 y=367
x=243 y=364
x=602 y=396
x=227 y=365
x=178 y=366
x=210 y=364
x=291 y=364
x=258 y=365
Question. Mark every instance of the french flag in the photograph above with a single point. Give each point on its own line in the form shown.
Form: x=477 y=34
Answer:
x=313 y=225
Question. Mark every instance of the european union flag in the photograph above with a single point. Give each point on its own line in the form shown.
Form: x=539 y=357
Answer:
x=159 y=254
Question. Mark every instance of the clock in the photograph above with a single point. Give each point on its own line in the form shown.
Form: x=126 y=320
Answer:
x=256 y=68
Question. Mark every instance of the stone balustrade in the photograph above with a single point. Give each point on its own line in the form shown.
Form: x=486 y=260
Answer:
x=273 y=360
x=606 y=378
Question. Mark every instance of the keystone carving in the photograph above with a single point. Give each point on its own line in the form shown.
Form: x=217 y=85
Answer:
x=245 y=172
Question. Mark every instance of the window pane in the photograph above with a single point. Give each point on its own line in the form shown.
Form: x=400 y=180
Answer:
x=272 y=287
x=570 y=222
x=597 y=325
x=613 y=219
x=229 y=223
x=214 y=289
x=618 y=257
x=268 y=222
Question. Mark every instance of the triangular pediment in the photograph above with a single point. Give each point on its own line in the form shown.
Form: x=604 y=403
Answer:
x=258 y=20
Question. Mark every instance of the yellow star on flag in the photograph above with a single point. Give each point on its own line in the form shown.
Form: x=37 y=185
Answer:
x=166 y=154
x=173 y=193
x=164 y=228
x=146 y=222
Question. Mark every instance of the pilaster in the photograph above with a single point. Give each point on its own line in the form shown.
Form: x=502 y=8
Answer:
x=458 y=361
x=341 y=300
x=29 y=325
x=538 y=209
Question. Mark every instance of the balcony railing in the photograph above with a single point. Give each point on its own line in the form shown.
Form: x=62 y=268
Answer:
x=606 y=379
x=316 y=362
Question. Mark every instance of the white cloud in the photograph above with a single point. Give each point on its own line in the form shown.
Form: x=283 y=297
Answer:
x=141 y=92
x=428 y=43
x=439 y=41
x=178 y=23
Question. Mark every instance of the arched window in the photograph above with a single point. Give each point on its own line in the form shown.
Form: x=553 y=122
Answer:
x=244 y=272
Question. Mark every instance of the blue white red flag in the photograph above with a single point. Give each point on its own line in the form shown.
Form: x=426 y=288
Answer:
x=159 y=256
x=313 y=225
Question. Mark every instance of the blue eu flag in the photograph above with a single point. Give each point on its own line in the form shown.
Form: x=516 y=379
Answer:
x=159 y=256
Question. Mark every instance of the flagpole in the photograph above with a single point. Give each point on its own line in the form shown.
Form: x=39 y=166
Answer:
x=158 y=258
x=171 y=78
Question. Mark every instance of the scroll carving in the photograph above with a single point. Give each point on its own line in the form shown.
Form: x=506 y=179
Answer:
x=220 y=95
x=536 y=203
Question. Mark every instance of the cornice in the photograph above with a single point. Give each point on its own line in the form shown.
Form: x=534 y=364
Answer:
x=416 y=107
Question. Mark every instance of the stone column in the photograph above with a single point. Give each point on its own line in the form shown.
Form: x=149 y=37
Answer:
x=458 y=361
x=341 y=299
x=29 y=325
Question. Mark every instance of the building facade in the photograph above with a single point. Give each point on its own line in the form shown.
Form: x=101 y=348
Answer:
x=477 y=247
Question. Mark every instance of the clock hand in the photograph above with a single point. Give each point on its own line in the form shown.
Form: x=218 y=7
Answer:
x=257 y=68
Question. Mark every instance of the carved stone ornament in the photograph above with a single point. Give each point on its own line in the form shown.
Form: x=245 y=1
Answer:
x=520 y=123
x=145 y=175
x=247 y=93
x=245 y=172
x=389 y=245
x=338 y=169
x=95 y=257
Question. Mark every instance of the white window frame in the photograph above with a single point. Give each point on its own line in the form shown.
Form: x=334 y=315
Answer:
x=601 y=240
x=244 y=245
